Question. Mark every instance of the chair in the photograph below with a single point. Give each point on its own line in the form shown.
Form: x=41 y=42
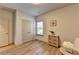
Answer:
x=75 y=49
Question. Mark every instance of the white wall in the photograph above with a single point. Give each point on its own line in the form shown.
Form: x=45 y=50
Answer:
x=18 y=26
x=11 y=40
x=67 y=23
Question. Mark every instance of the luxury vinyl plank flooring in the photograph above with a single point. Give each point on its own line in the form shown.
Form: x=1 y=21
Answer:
x=34 y=47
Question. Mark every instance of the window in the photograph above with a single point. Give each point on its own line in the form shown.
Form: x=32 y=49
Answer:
x=39 y=28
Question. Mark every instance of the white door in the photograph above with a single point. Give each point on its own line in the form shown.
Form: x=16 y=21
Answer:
x=27 y=30
x=3 y=30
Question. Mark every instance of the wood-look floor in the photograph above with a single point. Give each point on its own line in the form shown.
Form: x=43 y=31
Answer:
x=32 y=48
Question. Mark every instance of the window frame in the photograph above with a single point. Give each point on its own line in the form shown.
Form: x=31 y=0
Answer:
x=37 y=29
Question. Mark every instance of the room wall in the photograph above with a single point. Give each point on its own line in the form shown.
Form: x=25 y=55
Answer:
x=67 y=23
x=18 y=26
x=11 y=40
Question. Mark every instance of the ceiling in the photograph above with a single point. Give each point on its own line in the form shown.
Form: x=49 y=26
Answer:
x=34 y=9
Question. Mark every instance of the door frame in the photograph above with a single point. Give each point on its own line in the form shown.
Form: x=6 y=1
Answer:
x=22 y=29
x=13 y=18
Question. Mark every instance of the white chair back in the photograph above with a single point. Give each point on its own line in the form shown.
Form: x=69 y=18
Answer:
x=76 y=44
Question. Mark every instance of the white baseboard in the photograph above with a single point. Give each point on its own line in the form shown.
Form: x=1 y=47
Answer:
x=41 y=41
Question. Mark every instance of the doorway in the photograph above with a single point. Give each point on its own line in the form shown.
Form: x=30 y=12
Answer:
x=6 y=27
x=27 y=30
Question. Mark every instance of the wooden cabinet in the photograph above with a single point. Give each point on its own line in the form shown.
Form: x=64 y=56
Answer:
x=54 y=41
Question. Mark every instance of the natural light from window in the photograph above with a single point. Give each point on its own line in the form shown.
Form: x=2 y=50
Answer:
x=39 y=28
